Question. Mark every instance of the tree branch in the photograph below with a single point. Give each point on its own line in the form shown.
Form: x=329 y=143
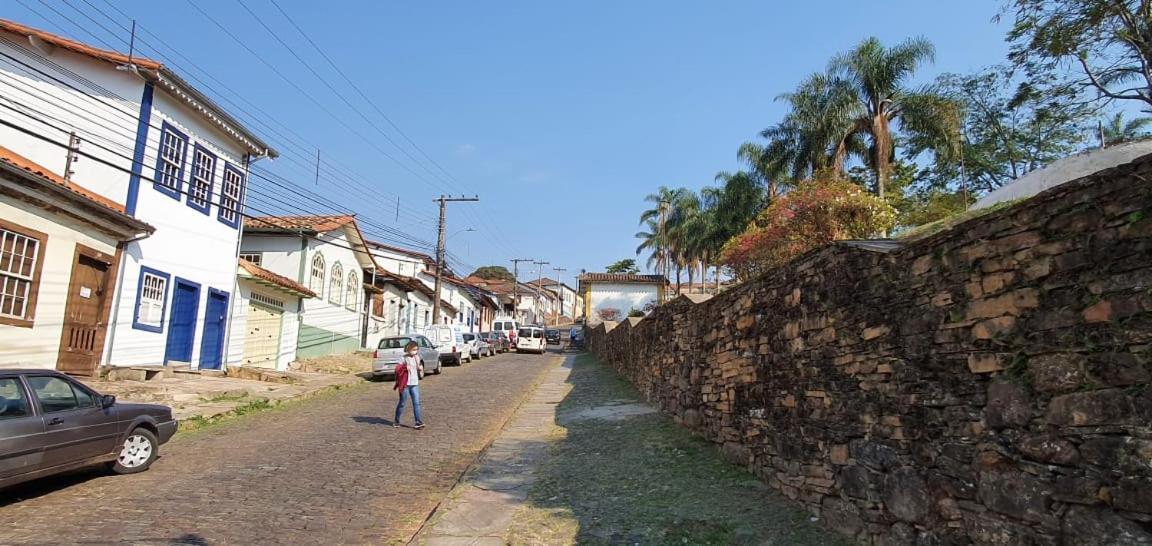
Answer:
x=1104 y=90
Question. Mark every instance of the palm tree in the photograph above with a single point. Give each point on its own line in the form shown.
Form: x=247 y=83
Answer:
x=650 y=242
x=869 y=95
x=662 y=201
x=1118 y=131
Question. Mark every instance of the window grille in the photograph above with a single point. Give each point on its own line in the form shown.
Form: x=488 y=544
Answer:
x=316 y=280
x=335 y=290
x=200 y=185
x=351 y=298
x=170 y=167
x=231 y=190
x=150 y=310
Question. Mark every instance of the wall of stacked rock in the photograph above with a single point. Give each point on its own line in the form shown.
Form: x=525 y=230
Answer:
x=988 y=384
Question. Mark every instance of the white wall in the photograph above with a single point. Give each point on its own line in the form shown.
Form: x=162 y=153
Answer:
x=289 y=324
x=187 y=243
x=103 y=116
x=623 y=296
x=319 y=312
x=391 y=323
x=38 y=346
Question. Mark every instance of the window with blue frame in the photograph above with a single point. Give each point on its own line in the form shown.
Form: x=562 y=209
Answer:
x=151 y=297
x=170 y=161
x=200 y=183
x=231 y=190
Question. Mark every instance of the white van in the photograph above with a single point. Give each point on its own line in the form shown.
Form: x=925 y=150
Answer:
x=449 y=340
x=509 y=326
x=530 y=339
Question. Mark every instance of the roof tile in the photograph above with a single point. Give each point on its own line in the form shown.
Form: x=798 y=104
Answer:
x=279 y=280
x=83 y=49
x=13 y=158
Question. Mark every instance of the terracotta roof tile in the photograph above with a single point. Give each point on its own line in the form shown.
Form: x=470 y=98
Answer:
x=83 y=49
x=13 y=158
x=623 y=278
x=318 y=224
x=279 y=280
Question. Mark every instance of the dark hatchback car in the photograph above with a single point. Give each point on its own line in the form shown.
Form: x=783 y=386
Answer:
x=497 y=340
x=51 y=423
x=552 y=336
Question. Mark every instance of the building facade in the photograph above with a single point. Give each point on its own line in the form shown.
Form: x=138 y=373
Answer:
x=328 y=256
x=139 y=136
x=611 y=296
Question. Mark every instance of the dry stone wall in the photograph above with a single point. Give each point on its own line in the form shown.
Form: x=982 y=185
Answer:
x=988 y=384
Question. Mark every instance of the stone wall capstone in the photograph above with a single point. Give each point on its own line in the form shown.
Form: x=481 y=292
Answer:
x=988 y=384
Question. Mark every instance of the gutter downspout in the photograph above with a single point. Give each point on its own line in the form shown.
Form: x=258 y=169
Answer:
x=120 y=247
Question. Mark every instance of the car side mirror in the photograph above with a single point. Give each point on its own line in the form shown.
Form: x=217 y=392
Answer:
x=107 y=401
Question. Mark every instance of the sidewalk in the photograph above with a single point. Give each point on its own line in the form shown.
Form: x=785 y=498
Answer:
x=585 y=461
x=193 y=395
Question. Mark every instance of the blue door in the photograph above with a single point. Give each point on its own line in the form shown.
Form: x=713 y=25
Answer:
x=215 y=320
x=182 y=324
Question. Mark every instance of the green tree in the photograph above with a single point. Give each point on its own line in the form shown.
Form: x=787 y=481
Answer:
x=627 y=265
x=1118 y=130
x=1108 y=42
x=872 y=96
x=494 y=273
x=1011 y=126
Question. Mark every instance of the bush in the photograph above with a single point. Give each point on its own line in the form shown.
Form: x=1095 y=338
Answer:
x=635 y=313
x=813 y=214
x=609 y=314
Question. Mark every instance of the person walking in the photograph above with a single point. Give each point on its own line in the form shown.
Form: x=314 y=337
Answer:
x=408 y=375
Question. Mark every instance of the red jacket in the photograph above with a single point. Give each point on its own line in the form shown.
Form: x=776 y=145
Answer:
x=401 y=376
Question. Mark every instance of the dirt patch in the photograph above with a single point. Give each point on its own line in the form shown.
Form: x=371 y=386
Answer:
x=354 y=363
x=615 y=412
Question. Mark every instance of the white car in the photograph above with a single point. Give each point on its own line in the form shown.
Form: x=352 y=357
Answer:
x=450 y=342
x=478 y=346
x=530 y=339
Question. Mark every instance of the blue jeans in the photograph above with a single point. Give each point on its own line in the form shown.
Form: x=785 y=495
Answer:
x=414 y=392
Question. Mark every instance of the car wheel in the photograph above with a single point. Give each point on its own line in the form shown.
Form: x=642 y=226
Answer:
x=138 y=452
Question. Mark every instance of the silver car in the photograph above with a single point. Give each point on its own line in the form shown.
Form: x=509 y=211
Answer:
x=390 y=352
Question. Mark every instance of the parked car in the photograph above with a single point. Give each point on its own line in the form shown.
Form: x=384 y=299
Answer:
x=530 y=339
x=552 y=336
x=496 y=343
x=505 y=344
x=51 y=423
x=477 y=347
x=449 y=340
x=390 y=351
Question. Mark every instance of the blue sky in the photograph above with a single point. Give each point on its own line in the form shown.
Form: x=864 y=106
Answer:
x=561 y=118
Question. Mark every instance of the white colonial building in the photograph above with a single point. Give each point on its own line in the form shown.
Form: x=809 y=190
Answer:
x=138 y=136
x=266 y=318
x=326 y=254
x=612 y=296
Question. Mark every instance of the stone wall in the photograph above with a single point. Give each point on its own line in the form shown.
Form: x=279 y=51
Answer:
x=988 y=384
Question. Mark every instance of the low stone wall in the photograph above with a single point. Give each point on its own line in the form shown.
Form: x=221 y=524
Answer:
x=988 y=384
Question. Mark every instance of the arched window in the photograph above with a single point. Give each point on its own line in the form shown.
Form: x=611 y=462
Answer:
x=335 y=290
x=351 y=296
x=316 y=280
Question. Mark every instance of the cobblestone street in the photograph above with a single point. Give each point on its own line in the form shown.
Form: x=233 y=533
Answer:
x=329 y=470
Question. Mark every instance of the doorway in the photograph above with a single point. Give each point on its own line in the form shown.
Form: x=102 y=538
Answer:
x=182 y=323
x=85 y=314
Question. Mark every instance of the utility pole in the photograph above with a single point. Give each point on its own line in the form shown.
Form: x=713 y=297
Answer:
x=73 y=155
x=559 y=293
x=516 y=286
x=443 y=200
x=539 y=284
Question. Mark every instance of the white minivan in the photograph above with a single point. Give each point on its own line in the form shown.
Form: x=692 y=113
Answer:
x=449 y=340
x=509 y=326
x=530 y=339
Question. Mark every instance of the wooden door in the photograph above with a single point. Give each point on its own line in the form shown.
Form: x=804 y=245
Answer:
x=82 y=339
x=262 y=339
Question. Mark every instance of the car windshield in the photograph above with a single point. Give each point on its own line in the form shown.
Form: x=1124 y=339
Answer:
x=553 y=332
x=525 y=332
x=537 y=333
x=394 y=342
x=469 y=337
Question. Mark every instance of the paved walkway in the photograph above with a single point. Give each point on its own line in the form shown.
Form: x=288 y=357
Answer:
x=329 y=470
x=480 y=509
